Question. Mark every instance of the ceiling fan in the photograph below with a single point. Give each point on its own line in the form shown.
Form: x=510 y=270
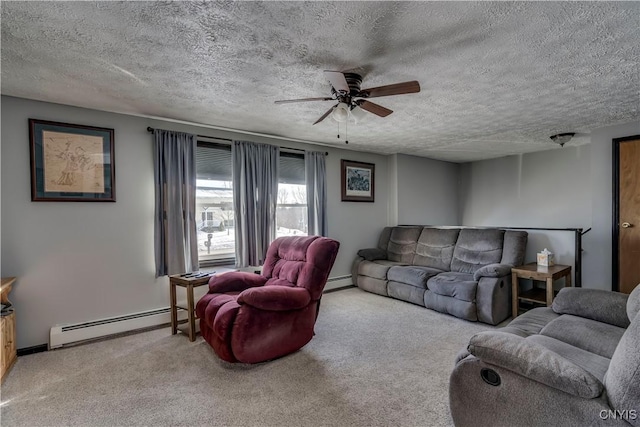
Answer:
x=345 y=88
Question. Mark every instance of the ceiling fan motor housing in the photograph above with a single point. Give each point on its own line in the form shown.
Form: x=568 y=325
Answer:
x=354 y=81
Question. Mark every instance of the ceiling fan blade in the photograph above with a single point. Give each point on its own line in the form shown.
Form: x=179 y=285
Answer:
x=286 y=101
x=324 y=116
x=376 y=109
x=394 y=89
x=337 y=80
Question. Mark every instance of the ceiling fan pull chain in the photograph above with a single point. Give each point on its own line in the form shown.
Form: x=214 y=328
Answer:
x=346 y=131
x=338 y=130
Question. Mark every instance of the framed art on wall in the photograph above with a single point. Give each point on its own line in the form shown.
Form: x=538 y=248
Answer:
x=71 y=163
x=358 y=181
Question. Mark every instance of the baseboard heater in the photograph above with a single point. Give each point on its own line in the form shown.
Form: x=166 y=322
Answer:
x=61 y=335
x=338 y=282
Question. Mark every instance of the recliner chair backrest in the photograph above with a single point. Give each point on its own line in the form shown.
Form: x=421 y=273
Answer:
x=435 y=247
x=401 y=246
x=476 y=248
x=300 y=261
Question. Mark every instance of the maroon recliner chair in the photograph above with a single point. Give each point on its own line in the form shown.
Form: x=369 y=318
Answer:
x=251 y=318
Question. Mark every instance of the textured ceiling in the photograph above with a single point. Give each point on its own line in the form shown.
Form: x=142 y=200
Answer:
x=497 y=78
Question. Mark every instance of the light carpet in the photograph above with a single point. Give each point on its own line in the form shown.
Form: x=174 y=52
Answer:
x=374 y=361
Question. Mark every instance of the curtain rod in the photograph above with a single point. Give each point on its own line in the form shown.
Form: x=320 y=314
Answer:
x=150 y=130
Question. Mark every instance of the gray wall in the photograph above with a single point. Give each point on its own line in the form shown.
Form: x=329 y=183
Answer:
x=427 y=191
x=84 y=261
x=563 y=187
x=543 y=189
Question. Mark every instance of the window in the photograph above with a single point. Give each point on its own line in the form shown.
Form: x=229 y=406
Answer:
x=214 y=201
x=291 y=211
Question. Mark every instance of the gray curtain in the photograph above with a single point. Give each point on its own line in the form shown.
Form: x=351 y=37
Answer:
x=176 y=244
x=255 y=193
x=316 y=179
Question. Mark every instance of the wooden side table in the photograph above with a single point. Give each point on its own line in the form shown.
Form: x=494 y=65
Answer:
x=537 y=272
x=7 y=329
x=187 y=282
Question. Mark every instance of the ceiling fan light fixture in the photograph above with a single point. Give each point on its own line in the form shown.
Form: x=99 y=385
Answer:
x=358 y=114
x=562 y=138
x=340 y=113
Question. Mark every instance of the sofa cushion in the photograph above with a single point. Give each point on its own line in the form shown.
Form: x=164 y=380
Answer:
x=377 y=269
x=596 y=304
x=402 y=244
x=476 y=248
x=623 y=378
x=370 y=284
x=435 y=247
x=406 y=292
x=456 y=307
x=412 y=275
x=590 y=335
x=531 y=322
x=590 y=362
x=456 y=285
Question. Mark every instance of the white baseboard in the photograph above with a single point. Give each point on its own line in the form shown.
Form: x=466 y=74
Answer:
x=61 y=335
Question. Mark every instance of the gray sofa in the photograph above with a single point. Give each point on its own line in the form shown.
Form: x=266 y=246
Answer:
x=576 y=363
x=465 y=272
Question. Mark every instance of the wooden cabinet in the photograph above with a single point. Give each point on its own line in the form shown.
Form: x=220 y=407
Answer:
x=7 y=329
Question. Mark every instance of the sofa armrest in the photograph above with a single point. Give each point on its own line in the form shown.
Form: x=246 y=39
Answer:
x=535 y=362
x=492 y=270
x=596 y=304
x=275 y=298
x=372 y=254
x=235 y=281
x=462 y=354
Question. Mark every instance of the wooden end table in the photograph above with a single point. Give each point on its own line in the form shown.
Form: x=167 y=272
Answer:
x=537 y=272
x=187 y=282
x=8 y=352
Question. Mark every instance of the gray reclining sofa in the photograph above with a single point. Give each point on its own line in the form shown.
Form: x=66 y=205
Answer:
x=465 y=272
x=576 y=363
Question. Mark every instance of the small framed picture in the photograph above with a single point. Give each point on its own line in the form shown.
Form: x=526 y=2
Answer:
x=71 y=163
x=358 y=181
